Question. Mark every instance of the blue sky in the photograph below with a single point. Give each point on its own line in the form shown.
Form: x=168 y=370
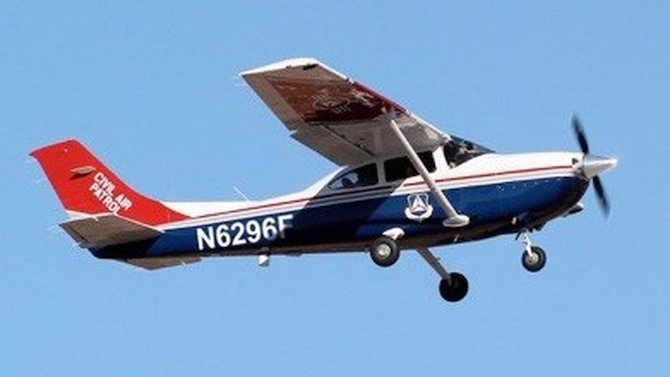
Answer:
x=152 y=88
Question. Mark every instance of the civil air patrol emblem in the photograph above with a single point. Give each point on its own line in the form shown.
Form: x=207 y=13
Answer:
x=418 y=207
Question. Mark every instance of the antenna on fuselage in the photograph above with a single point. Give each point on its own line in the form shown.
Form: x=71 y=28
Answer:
x=240 y=193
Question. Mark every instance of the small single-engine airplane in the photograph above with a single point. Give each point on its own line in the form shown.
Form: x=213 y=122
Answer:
x=402 y=184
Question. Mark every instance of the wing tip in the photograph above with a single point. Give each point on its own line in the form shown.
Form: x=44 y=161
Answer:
x=284 y=64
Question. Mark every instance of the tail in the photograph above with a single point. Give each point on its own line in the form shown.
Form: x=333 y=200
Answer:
x=85 y=186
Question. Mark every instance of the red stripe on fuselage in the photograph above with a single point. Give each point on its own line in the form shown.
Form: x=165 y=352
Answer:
x=486 y=175
x=367 y=191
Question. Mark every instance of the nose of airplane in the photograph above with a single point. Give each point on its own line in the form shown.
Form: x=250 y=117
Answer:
x=593 y=165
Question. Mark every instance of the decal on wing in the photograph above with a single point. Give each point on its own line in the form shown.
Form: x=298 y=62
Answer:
x=339 y=118
x=332 y=101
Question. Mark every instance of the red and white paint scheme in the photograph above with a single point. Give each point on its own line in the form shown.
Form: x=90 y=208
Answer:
x=402 y=184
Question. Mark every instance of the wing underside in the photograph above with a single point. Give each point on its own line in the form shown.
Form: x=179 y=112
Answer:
x=339 y=118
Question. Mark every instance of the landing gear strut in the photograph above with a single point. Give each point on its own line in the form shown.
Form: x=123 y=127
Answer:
x=533 y=258
x=453 y=286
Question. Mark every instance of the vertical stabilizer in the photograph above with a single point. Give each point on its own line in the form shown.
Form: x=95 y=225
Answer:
x=85 y=186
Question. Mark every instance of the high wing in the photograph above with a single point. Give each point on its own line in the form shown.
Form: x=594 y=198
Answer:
x=344 y=121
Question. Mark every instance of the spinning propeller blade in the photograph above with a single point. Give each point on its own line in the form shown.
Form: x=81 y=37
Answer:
x=596 y=164
x=579 y=133
x=602 y=197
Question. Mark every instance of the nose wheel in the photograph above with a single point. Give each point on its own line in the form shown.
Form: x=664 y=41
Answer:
x=533 y=258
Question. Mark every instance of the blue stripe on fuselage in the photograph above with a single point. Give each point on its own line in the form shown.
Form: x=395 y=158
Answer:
x=363 y=220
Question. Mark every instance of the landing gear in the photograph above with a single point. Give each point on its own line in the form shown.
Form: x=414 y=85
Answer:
x=533 y=258
x=455 y=288
x=384 y=251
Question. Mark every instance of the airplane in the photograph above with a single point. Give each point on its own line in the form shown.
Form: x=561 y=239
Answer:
x=401 y=184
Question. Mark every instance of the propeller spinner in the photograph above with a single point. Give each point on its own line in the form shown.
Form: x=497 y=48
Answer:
x=592 y=166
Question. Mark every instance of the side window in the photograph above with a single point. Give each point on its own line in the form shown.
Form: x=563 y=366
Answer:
x=360 y=177
x=402 y=168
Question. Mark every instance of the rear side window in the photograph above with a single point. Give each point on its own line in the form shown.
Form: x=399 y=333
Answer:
x=399 y=168
x=360 y=177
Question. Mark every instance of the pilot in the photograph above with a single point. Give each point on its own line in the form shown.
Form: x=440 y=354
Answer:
x=450 y=153
x=347 y=183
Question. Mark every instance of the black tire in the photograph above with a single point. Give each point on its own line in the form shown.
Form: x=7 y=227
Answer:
x=384 y=252
x=455 y=289
x=535 y=262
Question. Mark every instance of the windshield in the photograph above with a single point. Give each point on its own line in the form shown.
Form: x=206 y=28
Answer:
x=457 y=151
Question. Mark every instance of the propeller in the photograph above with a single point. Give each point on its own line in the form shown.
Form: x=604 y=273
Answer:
x=593 y=165
x=579 y=133
x=602 y=197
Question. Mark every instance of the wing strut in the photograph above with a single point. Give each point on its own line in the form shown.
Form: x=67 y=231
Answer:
x=454 y=219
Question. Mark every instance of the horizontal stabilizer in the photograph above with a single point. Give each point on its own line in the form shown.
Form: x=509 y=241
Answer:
x=156 y=263
x=107 y=229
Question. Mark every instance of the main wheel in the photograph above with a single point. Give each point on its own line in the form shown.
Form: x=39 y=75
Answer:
x=534 y=261
x=454 y=289
x=384 y=251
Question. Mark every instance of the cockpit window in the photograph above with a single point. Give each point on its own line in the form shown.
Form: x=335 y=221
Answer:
x=402 y=168
x=458 y=150
x=364 y=176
